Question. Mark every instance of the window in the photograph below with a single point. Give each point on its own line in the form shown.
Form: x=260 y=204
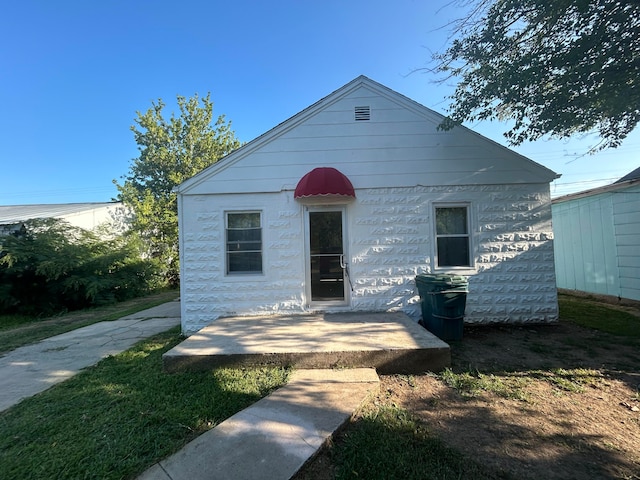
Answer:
x=452 y=236
x=244 y=242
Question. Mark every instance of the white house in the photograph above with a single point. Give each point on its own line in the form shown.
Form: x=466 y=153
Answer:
x=597 y=246
x=340 y=206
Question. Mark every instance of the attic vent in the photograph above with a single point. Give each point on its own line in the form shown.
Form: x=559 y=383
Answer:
x=363 y=113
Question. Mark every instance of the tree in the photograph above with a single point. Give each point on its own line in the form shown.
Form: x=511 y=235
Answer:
x=171 y=151
x=555 y=68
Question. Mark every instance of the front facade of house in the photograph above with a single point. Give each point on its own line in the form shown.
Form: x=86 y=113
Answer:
x=341 y=206
x=597 y=246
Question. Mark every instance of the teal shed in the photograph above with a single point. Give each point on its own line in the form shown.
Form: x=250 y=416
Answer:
x=597 y=239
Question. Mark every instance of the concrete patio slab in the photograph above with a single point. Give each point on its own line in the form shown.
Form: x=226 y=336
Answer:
x=273 y=438
x=389 y=342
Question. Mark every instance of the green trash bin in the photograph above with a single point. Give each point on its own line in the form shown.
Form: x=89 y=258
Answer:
x=444 y=298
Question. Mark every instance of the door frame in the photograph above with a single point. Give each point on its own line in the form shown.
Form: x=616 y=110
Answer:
x=307 y=257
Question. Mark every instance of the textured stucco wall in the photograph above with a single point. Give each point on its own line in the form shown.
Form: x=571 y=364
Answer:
x=390 y=235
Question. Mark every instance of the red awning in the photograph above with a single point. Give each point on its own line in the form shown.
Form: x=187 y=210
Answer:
x=324 y=183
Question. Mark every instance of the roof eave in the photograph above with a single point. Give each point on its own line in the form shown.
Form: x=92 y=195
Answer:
x=595 y=191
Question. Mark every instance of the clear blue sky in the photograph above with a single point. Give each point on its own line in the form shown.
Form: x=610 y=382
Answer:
x=74 y=73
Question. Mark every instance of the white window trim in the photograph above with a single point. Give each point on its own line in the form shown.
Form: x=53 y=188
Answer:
x=469 y=235
x=242 y=275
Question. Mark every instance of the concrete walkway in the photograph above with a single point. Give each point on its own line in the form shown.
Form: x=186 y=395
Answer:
x=274 y=437
x=32 y=369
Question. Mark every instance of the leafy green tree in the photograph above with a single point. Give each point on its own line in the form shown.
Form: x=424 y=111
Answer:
x=555 y=68
x=171 y=151
x=50 y=266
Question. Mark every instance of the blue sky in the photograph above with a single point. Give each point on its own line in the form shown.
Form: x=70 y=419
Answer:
x=74 y=73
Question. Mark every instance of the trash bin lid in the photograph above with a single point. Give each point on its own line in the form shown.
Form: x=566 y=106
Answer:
x=448 y=279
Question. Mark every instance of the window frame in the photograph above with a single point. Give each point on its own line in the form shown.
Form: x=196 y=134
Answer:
x=228 y=252
x=468 y=235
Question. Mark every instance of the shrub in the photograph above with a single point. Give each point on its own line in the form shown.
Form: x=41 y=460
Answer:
x=50 y=266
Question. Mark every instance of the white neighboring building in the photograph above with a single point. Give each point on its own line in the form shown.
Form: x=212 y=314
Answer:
x=84 y=215
x=275 y=226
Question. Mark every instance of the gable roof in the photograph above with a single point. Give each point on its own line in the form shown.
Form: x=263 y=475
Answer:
x=19 y=213
x=634 y=175
x=535 y=170
x=630 y=179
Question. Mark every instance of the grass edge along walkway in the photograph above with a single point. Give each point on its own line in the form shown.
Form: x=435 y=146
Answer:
x=124 y=414
x=18 y=332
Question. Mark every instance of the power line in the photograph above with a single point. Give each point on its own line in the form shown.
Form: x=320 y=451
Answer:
x=587 y=181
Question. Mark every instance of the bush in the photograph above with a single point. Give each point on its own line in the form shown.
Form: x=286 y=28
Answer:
x=50 y=266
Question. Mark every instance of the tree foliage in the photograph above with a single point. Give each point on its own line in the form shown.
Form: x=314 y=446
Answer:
x=50 y=266
x=171 y=151
x=555 y=68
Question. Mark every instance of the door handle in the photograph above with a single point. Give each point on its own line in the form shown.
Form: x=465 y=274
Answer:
x=345 y=267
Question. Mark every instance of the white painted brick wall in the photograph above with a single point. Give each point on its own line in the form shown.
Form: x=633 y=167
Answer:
x=390 y=237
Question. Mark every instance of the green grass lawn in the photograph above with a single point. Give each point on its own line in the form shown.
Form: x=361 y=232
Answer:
x=117 y=418
x=599 y=316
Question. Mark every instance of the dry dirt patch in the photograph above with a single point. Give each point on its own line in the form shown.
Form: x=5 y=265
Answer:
x=573 y=411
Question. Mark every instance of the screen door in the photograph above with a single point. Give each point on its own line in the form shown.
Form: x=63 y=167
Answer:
x=326 y=256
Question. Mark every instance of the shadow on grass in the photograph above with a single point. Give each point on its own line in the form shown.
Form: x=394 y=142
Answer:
x=387 y=442
x=124 y=414
x=556 y=454
x=565 y=346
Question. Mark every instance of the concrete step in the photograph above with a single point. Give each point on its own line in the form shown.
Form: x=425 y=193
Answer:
x=388 y=342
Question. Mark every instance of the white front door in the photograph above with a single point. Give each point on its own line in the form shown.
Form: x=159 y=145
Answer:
x=326 y=276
